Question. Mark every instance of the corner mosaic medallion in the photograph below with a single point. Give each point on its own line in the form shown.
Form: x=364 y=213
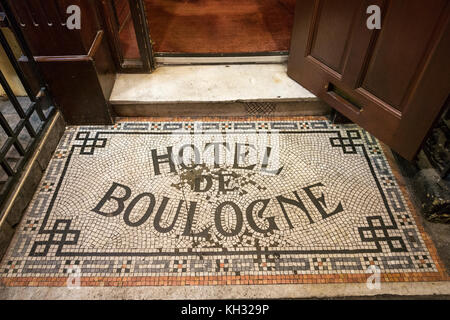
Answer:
x=229 y=202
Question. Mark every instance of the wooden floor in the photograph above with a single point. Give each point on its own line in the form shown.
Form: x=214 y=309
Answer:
x=216 y=26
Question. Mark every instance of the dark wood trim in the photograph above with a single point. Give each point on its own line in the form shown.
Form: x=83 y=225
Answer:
x=137 y=14
x=109 y=17
x=137 y=9
x=96 y=43
x=92 y=51
x=76 y=63
x=128 y=17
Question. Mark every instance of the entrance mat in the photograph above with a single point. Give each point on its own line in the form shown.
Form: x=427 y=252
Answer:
x=215 y=26
x=219 y=202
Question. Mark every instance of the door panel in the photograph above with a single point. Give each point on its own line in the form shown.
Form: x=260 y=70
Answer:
x=400 y=49
x=393 y=81
x=329 y=40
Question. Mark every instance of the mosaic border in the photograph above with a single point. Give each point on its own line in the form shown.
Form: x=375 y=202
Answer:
x=245 y=279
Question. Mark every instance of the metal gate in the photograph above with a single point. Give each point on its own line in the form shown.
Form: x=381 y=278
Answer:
x=25 y=104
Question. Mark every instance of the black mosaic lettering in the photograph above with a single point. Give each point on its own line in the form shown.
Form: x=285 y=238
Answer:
x=216 y=150
x=218 y=219
x=198 y=182
x=190 y=222
x=160 y=212
x=297 y=203
x=196 y=156
x=224 y=182
x=161 y=159
x=108 y=196
x=320 y=201
x=265 y=163
x=148 y=212
x=239 y=157
x=251 y=221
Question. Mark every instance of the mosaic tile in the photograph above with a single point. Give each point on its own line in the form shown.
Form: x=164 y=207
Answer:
x=249 y=202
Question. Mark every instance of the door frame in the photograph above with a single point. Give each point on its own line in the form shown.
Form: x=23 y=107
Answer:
x=154 y=59
x=137 y=11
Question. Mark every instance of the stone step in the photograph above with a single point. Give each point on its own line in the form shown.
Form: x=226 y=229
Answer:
x=214 y=90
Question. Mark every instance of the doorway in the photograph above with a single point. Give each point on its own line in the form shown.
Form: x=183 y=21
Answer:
x=216 y=26
x=213 y=27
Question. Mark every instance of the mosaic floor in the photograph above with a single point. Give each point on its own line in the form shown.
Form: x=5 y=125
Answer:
x=227 y=202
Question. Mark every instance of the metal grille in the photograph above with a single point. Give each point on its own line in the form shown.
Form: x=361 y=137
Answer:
x=260 y=108
x=25 y=104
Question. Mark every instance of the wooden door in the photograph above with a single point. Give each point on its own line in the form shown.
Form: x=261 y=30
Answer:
x=392 y=81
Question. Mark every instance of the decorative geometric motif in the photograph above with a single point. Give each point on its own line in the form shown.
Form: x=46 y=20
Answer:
x=377 y=232
x=320 y=263
x=226 y=125
x=89 y=144
x=125 y=267
x=31 y=225
x=155 y=126
x=404 y=220
x=59 y=235
x=388 y=181
x=263 y=125
x=304 y=125
x=423 y=261
x=370 y=261
x=287 y=201
x=346 y=143
x=69 y=266
x=47 y=187
x=12 y=266
x=374 y=150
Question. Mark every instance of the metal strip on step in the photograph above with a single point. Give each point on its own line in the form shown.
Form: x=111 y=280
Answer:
x=220 y=60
